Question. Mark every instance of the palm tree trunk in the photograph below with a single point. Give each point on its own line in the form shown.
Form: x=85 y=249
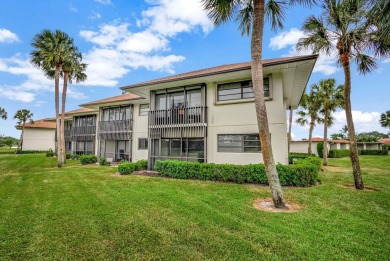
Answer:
x=64 y=90
x=351 y=128
x=325 y=149
x=21 y=139
x=289 y=129
x=57 y=101
x=258 y=89
x=312 y=119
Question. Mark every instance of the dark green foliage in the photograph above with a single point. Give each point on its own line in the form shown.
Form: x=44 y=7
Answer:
x=374 y=152
x=88 y=159
x=68 y=155
x=31 y=152
x=320 y=149
x=296 y=155
x=386 y=146
x=50 y=153
x=75 y=156
x=303 y=173
x=338 y=153
x=8 y=141
x=126 y=168
x=103 y=162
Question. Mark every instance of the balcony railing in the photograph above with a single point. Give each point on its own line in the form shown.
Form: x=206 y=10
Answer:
x=83 y=130
x=181 y=116
x=115 y=126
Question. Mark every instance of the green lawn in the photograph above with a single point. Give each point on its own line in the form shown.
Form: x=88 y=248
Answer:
x=84 y=212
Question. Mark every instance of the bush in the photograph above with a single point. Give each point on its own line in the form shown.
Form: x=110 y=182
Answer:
x=386 y=146
x=338 y=153
x=74 y=156
x=88 y=159
x=31 y=151
x=374 y=152
x=126 y=168
x=50 y=153
x=296 y=156
x=303 y=173
x=68 y=155
x=103 y=162
x=320 y=149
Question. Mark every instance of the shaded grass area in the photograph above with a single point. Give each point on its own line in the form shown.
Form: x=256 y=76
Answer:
x=84 y=212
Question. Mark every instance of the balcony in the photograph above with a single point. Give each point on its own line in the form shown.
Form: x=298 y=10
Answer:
x=115 y=130
x=83 y=133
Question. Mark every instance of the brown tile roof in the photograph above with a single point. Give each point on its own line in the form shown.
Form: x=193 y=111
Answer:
x=123 y=97
x=339 y=141
x=317 y=139
x=42 y=124
x=81 y=110
x=221 y=69
x=384 y=141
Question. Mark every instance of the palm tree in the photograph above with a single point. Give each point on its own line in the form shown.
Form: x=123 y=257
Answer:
x=3 y=113
x=51 y=50
x=310 y=107
x=385 y=119
x=250 y=14
x=72 y=70
x=22 y=116
x=346 y=28
x=330 y=98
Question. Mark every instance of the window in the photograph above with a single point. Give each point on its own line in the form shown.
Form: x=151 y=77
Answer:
x=187 y=149
x=239 y=90
x=239 y=143
x=142 y=144
x=186 y=98
x=143 y=109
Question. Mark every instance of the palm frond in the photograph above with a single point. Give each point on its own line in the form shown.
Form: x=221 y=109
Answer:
x=274 y=13
x=220 y=11
x=365 y=63
x=244 y=17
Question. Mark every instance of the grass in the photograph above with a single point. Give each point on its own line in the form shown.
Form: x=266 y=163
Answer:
x=84 y=212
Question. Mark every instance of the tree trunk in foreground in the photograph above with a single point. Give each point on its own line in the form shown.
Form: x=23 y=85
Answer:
x=351 y=128
x=262 y=119
x=289 y=129
x=64 y=90
x=21 y=139
x=57 y=105
x=309 y=151
x=325 y=149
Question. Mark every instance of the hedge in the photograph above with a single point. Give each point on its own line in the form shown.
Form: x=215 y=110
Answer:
x=296 y=155
x=339 y=153
x=103 y=162
x=126 y=168
x=31 y=151
x=320 y=149
x=375 y=152
x=88 y=159
x=345 y=153
x=303 y=173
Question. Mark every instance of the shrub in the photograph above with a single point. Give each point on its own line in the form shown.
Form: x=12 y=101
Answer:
x=296 y=156
x=88 y=159
x=50 y=153
x=386 y=146
x=303 y=173
x=31 y=151
x=103 y=162
x=320 y=149
x=68 y=155
x=339 y=153
x=126 y=168
x=374 y=152
x=74 y=156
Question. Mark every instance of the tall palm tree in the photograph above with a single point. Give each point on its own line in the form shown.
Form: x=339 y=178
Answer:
x=250 y=15
x=309 y=113
x=51 y=50
x=330 y=98
x=22 y=116
x=346 y=27
x=72 y=69
x=385 y=119
x=3 y=114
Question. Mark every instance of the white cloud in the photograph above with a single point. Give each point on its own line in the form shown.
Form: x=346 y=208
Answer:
x=325 y=64
x=104 y=2
x=386 y=61
x=120 y=48
x=16 y=95
x=6 y=36
x=94 y=16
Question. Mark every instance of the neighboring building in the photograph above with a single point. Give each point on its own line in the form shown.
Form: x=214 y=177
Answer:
x=39 y=135
x=385 y=141
x=301 y=146
x=339 y=144
x=209 y=115
x=344 y=144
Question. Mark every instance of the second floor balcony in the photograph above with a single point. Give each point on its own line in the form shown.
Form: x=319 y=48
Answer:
x=115 y=130
x=178 y=116
x=83 y=130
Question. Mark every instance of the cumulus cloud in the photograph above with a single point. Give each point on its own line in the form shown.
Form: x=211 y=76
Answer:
x=33 y=84
x=288 y=39
x=120 y=48
x=104 y=2
x=94 y=16
x=6 y=36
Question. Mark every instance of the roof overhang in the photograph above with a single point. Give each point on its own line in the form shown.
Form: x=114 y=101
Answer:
x=96 y=106
x=295 y=72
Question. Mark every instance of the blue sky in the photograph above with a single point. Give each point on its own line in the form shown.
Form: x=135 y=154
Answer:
x=126 y=42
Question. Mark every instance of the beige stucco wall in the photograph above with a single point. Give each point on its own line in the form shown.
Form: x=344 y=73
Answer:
x=240 y=118
x=140 y=130
x=38 y=139
x=302 y=147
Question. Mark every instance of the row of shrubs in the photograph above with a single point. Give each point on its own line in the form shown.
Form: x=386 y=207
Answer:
x=303 y=173
x=293 y=156
x=345 y=153
x=31 y=151
x=126 y=168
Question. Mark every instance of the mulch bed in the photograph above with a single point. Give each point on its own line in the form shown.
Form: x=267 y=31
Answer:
x=266 y=204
